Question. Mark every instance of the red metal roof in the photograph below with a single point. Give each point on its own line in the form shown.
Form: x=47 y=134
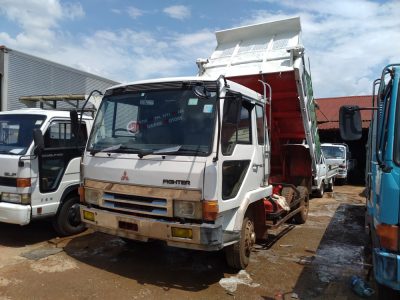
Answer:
x=328 y=112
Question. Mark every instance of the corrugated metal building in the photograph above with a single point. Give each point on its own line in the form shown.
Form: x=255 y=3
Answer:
x=22 y=74
x=328 y=125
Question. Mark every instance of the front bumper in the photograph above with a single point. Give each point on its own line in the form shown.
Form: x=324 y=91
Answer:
x=15 y=213
x=207 y=237
x=387 y=268
x=342 y=173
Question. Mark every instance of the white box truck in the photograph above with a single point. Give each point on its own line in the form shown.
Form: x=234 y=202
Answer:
x=39 y=159
x=212 y=161
x=22 y=74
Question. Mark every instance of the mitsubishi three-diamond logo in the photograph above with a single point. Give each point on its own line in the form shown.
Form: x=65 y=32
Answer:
x=124 y=176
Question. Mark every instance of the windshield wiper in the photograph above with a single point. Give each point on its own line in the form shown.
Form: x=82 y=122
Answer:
x=160 y=151
x=172 y=150
x=114 y=148
x=93 y=152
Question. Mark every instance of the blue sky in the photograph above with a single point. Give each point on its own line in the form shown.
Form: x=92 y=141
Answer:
x=348 y=41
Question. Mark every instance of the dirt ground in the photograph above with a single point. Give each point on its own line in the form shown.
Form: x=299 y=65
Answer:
x=310 y=261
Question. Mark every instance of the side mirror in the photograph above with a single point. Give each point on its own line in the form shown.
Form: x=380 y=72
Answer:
x=350 y=123
x=201 y=91
x=39 y=141
x=73 y=114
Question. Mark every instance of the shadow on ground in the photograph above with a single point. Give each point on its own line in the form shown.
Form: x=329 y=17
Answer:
x=151 y=263
x=20 y=236
x=340 y=254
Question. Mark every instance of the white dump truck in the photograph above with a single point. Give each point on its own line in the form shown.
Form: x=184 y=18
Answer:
x=212 y=161
x=39 y=159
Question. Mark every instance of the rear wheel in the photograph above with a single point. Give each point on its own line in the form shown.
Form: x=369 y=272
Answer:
x=68 y=219
x=301 y=217
x=238 y=254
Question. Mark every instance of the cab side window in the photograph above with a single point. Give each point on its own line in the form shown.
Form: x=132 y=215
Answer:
x=59 y=135
x=236 y=124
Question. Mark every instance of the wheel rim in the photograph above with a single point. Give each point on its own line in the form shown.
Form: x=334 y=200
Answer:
x=250 y=238
x=74 y=216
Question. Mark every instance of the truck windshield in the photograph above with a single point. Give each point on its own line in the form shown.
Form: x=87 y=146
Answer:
x=333 y=152
x=161 y=121
x=16 y=132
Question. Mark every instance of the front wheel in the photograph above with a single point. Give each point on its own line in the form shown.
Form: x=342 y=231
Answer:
x=238 y=254
x=320 y=192
x=68 y=219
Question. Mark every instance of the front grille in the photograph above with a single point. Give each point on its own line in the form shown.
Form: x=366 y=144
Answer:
x=136 y=204
x=8 y=181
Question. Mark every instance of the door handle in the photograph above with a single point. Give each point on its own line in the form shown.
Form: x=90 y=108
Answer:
x=256 y=166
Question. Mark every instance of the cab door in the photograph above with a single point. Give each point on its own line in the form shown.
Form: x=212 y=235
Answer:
x=60 y=147
x=241 y=163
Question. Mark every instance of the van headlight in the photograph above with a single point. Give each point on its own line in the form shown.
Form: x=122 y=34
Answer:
x=187 y=209
x=16 y=198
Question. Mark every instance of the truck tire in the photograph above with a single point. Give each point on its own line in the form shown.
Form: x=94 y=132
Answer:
x=329 y=188
x=288 y=193
x=301 y=217
x=320 y=191
x=238 y=254
x=68 y=220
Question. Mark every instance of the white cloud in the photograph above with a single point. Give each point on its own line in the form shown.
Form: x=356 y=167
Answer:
x=179 y=12
x=348 y=42
x=134 y=12
x=38 y=21
x=73 y=10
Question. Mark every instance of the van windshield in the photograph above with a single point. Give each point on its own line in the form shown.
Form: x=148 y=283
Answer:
x=16 y=132
x=161 y=121
x=334 y=152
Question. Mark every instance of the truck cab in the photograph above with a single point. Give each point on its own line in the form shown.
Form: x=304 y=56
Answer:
x=39 y=182
x=382 y=178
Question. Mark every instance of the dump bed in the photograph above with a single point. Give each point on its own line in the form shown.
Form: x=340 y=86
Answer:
x=272 y=52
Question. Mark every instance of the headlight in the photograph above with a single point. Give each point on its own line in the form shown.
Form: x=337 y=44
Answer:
x=187 y=209
x=16 y=198
x=93 y=196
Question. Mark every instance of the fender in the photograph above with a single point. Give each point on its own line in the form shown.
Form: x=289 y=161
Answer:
x=68 y=191
x=249 y=198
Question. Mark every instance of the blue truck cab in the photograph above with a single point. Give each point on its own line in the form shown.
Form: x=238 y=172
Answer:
x=382 y=175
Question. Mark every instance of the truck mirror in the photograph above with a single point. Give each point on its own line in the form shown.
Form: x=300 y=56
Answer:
x=350 y=123
x=39 y=141
x=73 y=114
x=201 y=91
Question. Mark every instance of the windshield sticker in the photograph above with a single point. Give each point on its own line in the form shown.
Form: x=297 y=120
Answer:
x=207 y=109
x=132 y=127
x=164 y=119
x=193 y=101
x=146 y=102
x=38 y=122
